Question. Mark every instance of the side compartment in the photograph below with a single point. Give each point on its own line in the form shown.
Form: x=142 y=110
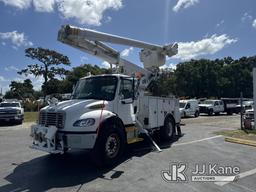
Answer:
x=153 y=110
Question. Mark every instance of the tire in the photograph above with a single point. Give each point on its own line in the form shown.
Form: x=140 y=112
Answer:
x=210 y=112
x=196 y=114
x=19 y=122
x=217 y=113
x=110 y=145
x=168 y=130
x=229 y=112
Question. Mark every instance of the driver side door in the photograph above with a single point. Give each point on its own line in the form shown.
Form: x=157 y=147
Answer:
x=125 y=104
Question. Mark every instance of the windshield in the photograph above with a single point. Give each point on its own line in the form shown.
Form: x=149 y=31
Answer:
x=208 y=102
x=100 y=88
x=247 y=103
x=9 y=105
x=182 y=105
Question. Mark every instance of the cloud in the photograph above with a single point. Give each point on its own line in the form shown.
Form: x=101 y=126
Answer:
x=220 y=23
x=105 y=64
x=183 y=4
x=87 y=12
x=126 y=52
x=254 y=23
x=2 y=78
x=83 y=59
x=170 y=66
x=4 y=84
x=20 y=4
x=246 y=17
x=17 y=39
x=108 y=19
x=44 y=5
x=211 y=45
x=11 y=68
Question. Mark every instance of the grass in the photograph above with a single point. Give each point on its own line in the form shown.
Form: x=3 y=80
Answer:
x=241 y=134
x=30 y=116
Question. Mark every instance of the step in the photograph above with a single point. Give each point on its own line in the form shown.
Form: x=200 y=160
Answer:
x=134 y=140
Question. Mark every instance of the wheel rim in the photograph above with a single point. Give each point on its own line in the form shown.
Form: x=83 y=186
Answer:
x=112 y=145
x=169 y=124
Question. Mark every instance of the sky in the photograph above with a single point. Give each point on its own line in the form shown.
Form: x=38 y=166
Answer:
x=202 y=28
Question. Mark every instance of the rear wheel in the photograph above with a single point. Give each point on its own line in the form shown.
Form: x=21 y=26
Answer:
x=109 y=146
x=196 y=114
x=168 y=130
x=229 y=112
x=210 y=112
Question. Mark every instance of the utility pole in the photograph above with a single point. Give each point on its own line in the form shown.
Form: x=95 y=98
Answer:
x=254 y=93
x=241 y=110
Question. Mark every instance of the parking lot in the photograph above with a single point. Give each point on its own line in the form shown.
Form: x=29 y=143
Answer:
x=24 y=169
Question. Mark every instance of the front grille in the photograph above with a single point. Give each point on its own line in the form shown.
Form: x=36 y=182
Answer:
x=203 y=109
x=52 y=118
x=8 y=112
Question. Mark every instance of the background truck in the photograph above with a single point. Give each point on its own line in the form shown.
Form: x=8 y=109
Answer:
x=211 y=107
x=107 y=112
x=11 y=111
x=231 y=105
x=189 y=108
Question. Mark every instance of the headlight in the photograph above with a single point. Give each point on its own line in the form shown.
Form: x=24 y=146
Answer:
x=84 y=122
x=18 y=111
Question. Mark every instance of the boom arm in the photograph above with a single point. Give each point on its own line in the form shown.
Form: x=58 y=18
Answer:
x=90 y=41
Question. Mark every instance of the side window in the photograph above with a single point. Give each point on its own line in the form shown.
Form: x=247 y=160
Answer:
x=216 y=103
x=221 y=102
x=188 y=106
x=126 y=88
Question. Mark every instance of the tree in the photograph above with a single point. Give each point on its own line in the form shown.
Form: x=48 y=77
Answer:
x=78 y=72
x=48 y=67
x=20 y=90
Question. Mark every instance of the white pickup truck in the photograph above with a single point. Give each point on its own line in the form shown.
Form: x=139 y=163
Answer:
x=11 y=111
x=211 y=107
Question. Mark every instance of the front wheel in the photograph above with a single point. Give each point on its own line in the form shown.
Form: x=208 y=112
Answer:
x=196 y=114
x=109 y=146
x=168 y=130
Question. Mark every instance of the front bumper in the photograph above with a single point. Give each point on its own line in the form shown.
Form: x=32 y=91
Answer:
x=52 y=140
x=44 y=139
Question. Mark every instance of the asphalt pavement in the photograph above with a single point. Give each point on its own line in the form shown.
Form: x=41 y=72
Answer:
x=142 y=168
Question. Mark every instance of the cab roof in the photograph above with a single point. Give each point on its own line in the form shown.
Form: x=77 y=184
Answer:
x=107 y=75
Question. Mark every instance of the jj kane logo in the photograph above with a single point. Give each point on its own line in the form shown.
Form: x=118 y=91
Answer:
x=178 y=172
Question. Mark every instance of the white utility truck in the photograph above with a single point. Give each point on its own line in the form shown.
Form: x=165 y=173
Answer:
x=189 y=108
x=107 y=112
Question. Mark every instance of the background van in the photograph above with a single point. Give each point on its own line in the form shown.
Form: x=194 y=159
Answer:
x=189 y=108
